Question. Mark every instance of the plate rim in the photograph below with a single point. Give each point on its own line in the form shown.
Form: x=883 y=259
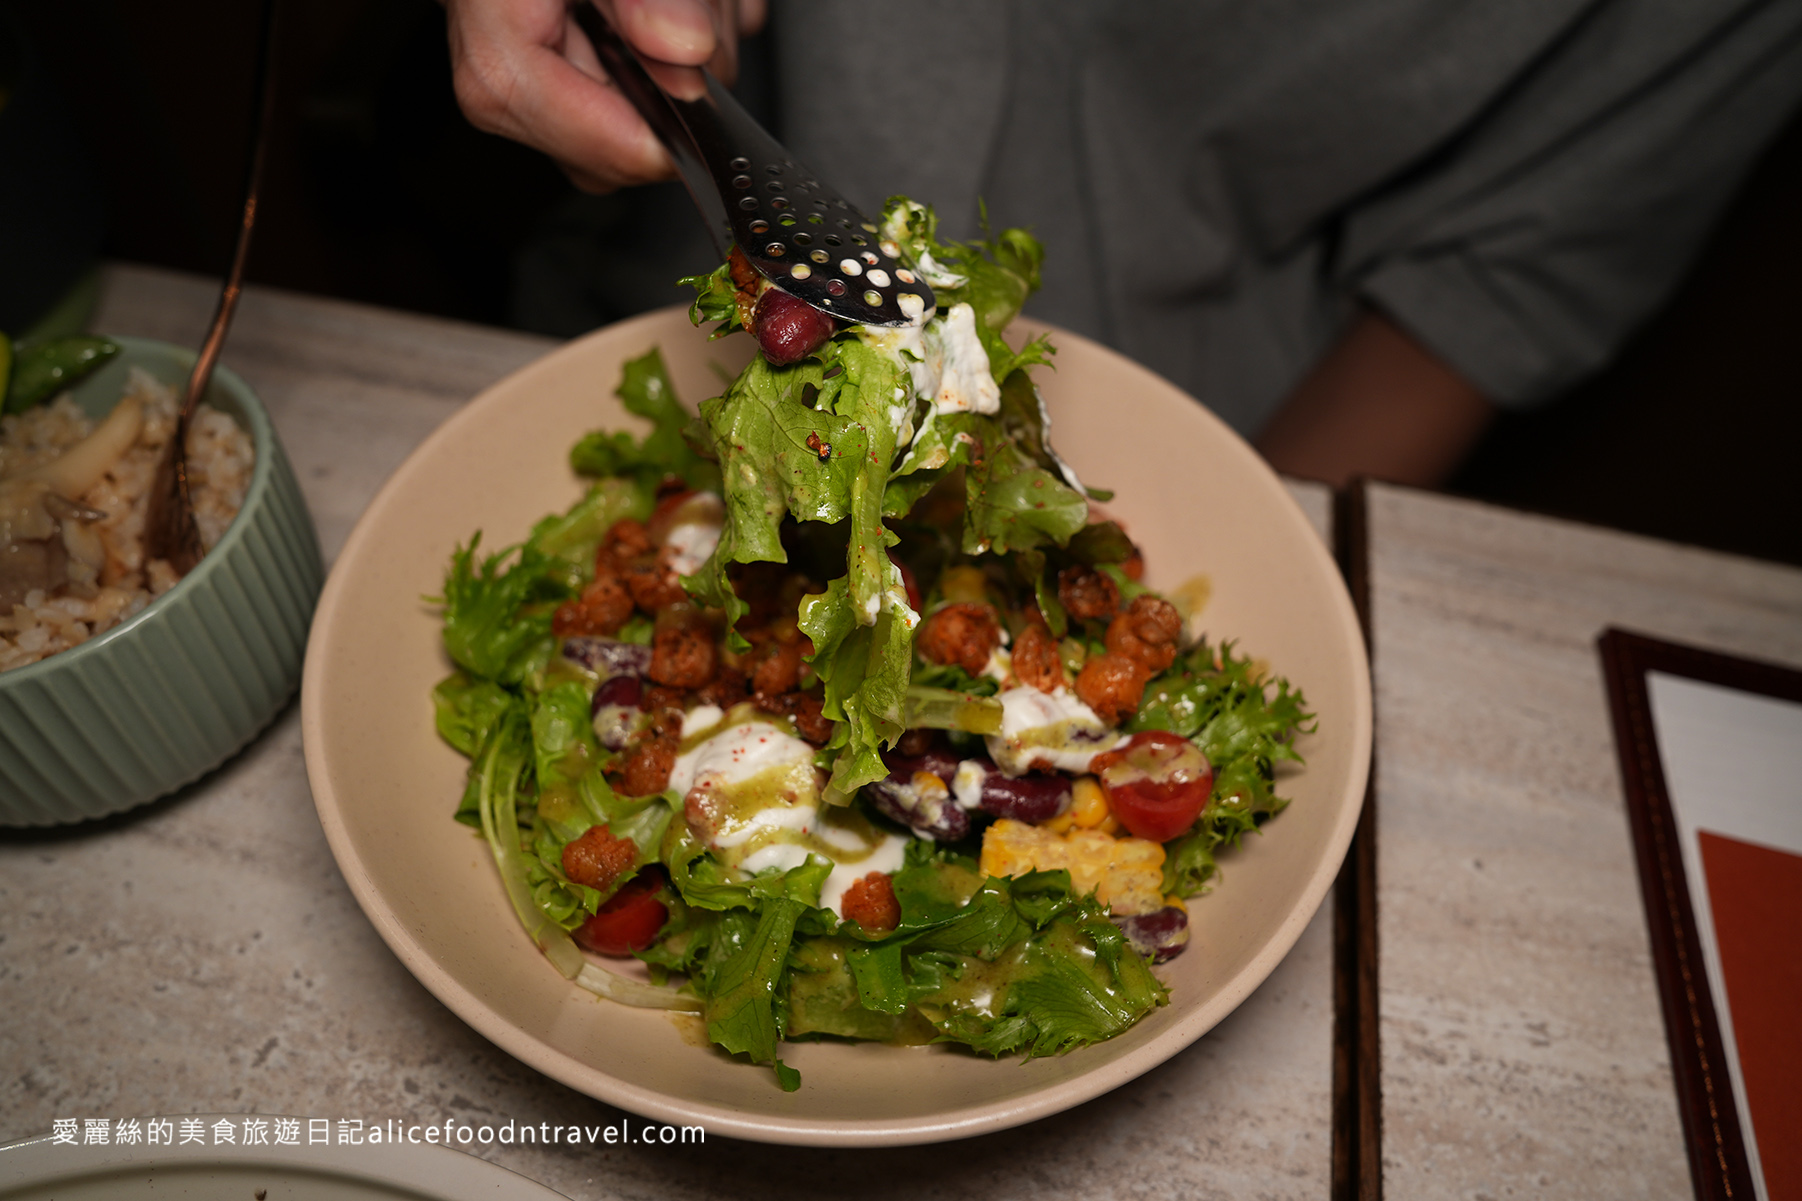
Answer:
x=951 y=1124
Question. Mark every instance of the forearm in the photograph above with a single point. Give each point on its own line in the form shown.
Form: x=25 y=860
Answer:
x=1380 y=405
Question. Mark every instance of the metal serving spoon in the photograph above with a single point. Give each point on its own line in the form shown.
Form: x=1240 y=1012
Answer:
x=169 y=529
x=799 y=233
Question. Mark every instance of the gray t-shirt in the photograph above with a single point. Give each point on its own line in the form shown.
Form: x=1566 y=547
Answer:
x=1221 y=183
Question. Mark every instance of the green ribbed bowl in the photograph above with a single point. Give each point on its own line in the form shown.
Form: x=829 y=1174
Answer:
x=160 y=700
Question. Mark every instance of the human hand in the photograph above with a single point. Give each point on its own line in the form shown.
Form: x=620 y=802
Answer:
x=523 y=69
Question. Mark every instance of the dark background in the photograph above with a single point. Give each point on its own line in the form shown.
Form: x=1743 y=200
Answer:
x=377 y=190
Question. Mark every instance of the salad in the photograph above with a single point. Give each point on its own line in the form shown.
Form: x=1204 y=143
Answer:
x=843 y=708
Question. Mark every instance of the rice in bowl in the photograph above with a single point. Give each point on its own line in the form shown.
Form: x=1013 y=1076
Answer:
x=100 y=531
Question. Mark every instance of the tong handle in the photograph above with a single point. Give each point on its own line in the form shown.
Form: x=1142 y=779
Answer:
x=659 y=112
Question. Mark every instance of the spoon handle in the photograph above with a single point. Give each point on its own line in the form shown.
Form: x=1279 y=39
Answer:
x=253 y=178
x=169 y=529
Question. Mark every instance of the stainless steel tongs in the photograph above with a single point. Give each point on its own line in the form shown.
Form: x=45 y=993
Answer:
x=794 y=229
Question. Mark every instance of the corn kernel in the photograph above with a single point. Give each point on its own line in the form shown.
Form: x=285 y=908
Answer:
x=1063 y=823
x=1110 y=824
x=929 y=787
x=1175 y=902
x=1088 y=805
x=1138 y=852
x=1125 y=874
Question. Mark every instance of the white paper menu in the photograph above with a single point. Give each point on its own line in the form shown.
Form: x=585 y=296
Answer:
x=1732 y=765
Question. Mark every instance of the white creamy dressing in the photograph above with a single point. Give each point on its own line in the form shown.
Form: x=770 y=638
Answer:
x=888 y=857
x=901 y=417
x=783 y=856
x=894 y=597
x=1048 y=730
x=936 y=456
x=737 y=754
x=895 y=230
x=800 y=818
x=691 y=546
x=938 y=275
x=954 y=355
x=906 y=344
x=966 y=785
x=700 y=718
x=943 y=357
x=945 y=360
x=760 y=763
x=692 y=540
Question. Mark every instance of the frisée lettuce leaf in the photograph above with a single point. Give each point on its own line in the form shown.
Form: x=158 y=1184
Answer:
x=645 y=389
x=1245 y=725
x=497 y=614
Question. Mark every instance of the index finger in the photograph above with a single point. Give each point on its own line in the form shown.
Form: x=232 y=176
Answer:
x=513 y=78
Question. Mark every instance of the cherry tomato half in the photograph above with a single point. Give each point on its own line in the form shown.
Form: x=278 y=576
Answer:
x=628 y=921
x=1157 y=784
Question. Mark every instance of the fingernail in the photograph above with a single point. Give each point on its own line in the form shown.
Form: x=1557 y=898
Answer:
x=684 y=26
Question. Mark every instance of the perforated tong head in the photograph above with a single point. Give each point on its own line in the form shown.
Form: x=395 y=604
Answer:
x=799 y=233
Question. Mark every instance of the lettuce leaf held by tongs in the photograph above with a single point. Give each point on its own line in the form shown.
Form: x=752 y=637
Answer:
x=844 y=437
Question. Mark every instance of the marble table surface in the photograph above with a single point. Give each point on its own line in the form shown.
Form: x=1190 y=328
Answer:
x=1522 y=1049
x=204 y=955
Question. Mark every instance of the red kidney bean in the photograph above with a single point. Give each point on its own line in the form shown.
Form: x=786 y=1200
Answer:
x=940 y=820
x=607 y=657
x=615 y=711
x=621 y=692
x=937 y=760
x=788 y=330
x=934 y=814
x=1030 y=798
x=1158 y=936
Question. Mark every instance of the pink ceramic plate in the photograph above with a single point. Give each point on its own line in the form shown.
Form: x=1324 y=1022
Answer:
x=1198 y=500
